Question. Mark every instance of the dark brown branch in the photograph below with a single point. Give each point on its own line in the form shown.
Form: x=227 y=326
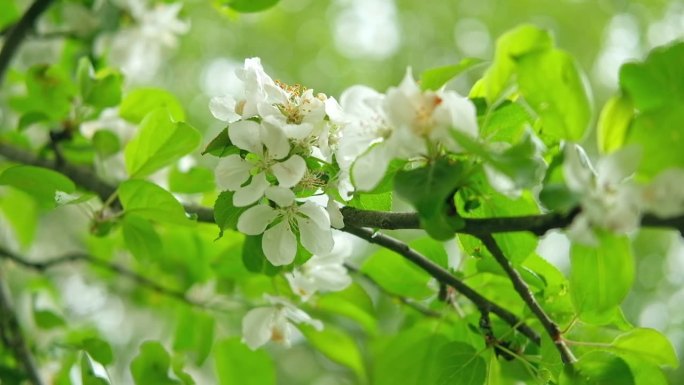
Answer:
x=113 y=267
x=16 y=35
x=13 y=337
x=443 y=276
x=536 y=224
x=406 y=301
x=524 y=291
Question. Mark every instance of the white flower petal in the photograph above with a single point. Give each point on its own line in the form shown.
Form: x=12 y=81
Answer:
x=336 y=217
x=298 y=131
x=314 y=238
x=245 y=135
x=370 y=167
x=664 y=196
x=577 y=169
x=255 y=219
x=231 y=172
x=275 y=140
x=299 y=316
x=251 y=193
x=257 y=326
x=282 y=196
x=316 y=213
x=289 y=172
x=279 y=244
x=223 y=108
x=619 y=165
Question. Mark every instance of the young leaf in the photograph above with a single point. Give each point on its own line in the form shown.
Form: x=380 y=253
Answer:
x=247 y=6
x=600 y=277
x=435 y=78
x=151 y=366
x=337 y=346
x=41 y=183
x=152 y=202
x=646 y=344
x=140 y=102
x=430 y=190
x=459 y=362
x=194 y=334
x=92 y=373
x=554 y=86
x=193 y=181
x=226 y=215
x=397 y=275
x=236 y=364
x=141 y=238
x=613 y=123
x=159 y=143
x=598 y=368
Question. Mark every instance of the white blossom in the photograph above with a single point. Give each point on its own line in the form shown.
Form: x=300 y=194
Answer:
x=269 y=150
x=405 y=123
x=324 y=272
x=139 y=50
x=274 y=323
x=279 y=241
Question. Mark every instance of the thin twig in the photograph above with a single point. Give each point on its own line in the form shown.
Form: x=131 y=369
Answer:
x=13 y=337
x=443 y=276
x=113 y=267
x=527 y=296
x=16 y=35
x=406 y=301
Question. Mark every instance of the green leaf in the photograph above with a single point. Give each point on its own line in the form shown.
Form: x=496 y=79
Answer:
x=646 y=344
x=554 y=86
x=88 y=374
x=658 y=81
x=410 y=358
x=377 y=202
x=432 y=249
x=49 y=92
x=644 y=372
x=253 y=256
x=600 y=277
x=613 y=123
x=20 y=210
x=195 y=180
x=507 y=123
x=458 y=362
x=430 y=190
x=511 y=45
x=221 y=145
x=141 y=239
x=47 y=319
x=152 y=202
x=10 y=13
x=140 y=102
x=236 y=364
x=159 y=143
x=40 y=183
x=151 y=365
x=435 y=78
x=106 y=143
x=98 y=349
x=194 y=334
x=335 y=344
x=247 y=6
x=101 y=89
x=658 y=133
x=225 y=214
x=352 y=302
x=396 y=275
x=598 y=368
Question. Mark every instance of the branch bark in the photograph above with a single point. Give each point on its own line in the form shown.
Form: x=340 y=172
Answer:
x=13 y=337
x=113 y=267
x=443 y=276
x=16 y=35
x=524 y=291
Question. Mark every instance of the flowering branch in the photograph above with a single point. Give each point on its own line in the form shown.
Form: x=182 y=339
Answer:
x=12 y=336
x=113 y=267
x=527 y=296
x=443 y=276
x=16 y=35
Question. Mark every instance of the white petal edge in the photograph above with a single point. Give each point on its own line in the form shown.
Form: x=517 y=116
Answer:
x=289 y=172
x=255 y=219
x=279 y=244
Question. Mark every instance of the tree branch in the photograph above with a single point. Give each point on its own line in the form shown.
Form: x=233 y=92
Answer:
x=113 y=267
x=12 y=336
x=536 y=224
x=443 y=276
x=527 y=296
x=406 y=301
x=16 y=35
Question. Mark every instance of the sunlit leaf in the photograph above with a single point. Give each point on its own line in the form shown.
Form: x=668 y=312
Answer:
x=236 y=364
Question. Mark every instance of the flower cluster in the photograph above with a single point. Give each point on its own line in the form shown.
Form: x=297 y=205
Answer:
x=611 y=199
x=278 y=129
